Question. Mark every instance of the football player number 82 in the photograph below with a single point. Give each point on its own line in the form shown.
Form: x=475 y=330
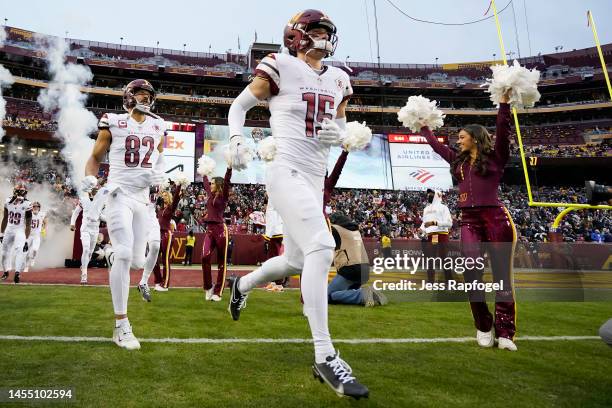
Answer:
x=132 y=151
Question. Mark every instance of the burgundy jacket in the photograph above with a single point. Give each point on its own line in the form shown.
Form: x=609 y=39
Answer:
x=476 y=190
x=215 y=205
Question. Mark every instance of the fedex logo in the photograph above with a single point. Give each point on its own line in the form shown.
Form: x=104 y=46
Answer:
x=170 y=142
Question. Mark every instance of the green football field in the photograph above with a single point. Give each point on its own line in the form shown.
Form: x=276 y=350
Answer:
x=431 y=366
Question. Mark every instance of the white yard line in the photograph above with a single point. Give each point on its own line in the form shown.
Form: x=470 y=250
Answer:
x=289 y=341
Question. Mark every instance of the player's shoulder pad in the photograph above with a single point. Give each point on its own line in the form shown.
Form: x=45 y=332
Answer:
x=112 y=120
x=268 y=68
x=343 y=81
x=162 y=126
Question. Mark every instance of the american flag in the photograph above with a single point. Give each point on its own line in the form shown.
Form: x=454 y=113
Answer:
x=422 y=175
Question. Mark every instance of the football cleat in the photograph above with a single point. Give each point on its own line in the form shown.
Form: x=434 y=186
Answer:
x=485 y=339
x=237 y=299
x=123 y=337
x=337 y=374
x=145 y=292
x=16 y=278
x=215 y=298
x=208 y=293
x=506 y=344
x=160 y=288
x=83 y=278
x=4 y=276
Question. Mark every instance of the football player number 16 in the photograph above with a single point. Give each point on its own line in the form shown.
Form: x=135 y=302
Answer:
x=323 y=104
x=132 y=151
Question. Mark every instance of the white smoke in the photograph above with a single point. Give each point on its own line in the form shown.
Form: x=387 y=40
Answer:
x=64 y=98
x=57 y=245
x=6 y=80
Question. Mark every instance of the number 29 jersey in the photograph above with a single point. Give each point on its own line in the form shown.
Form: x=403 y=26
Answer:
x=16 y=208
x=133 y=150
x=301 y=99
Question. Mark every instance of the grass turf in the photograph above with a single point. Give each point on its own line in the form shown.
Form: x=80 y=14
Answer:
x=558 y=373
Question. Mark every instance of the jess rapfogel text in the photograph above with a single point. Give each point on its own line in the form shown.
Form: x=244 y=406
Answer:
x=451 y=285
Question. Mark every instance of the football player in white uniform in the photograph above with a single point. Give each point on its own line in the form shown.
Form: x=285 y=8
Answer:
x=39 y=224
x=89 y=231
x=15 y=231
x=134 y=141
x=153 y=245
x=307 y=102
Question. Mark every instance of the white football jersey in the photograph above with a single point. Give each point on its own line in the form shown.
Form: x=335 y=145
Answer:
x=91 y=218
x=133 y=150
x=301 y=99
x=37 y=223
x=16 y=212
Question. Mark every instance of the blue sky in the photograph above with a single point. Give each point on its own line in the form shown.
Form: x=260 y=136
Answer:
x=219 y=23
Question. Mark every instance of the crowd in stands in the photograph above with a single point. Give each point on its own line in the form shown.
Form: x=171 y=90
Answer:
x=544 y=141
x=585 y=150
x=29 y=123
x=396 y=213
